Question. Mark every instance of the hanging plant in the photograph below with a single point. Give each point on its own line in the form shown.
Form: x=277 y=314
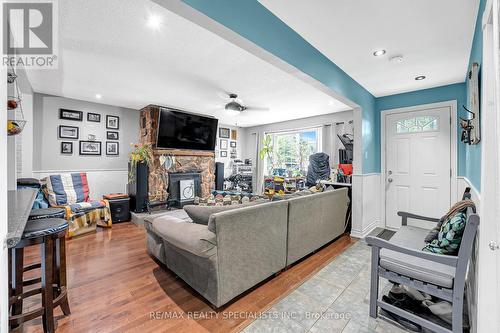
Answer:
x=142 y=153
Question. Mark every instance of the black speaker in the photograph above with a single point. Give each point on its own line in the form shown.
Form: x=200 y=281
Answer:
x=120 y=209
x=219 y=176
x=138 y=188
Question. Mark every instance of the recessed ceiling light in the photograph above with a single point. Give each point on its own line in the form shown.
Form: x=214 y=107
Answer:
x=396 y=59
x=379 y=53
x=154 y=21
x=98 y=96
x=420 y=78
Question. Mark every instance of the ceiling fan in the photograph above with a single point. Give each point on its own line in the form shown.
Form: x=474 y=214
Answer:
x=237 y=105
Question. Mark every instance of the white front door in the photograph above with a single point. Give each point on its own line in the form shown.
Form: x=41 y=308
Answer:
x=418 y=163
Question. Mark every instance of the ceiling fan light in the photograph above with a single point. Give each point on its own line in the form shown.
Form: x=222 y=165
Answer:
x=234 y=106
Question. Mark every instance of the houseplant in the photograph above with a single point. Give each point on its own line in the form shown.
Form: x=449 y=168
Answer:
x=141 y=153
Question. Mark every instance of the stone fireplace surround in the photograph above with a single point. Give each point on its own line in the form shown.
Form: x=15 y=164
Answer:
x=188 y=161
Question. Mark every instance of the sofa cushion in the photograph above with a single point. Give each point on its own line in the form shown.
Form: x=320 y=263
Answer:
x=417 y=268
x=66 y=188
x=190 y=237
x=201 y=214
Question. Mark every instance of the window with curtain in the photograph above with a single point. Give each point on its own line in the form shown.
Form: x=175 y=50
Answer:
x=291 y=151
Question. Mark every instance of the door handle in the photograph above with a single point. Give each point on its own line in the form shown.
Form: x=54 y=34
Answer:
x=389 y=180
x=493 y=246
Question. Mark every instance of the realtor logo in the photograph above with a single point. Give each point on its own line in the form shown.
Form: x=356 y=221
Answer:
x=29 y=34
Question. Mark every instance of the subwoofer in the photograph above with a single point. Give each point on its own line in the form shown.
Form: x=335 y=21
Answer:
x=120 y=209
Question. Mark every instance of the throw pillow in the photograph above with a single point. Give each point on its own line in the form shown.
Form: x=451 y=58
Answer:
x=433 y=234
x=449 y=236
x=201 y=214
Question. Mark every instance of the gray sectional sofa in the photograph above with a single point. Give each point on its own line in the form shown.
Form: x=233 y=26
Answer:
x=241 y=247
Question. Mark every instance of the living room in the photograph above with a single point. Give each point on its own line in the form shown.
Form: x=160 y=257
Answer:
x=172 y=166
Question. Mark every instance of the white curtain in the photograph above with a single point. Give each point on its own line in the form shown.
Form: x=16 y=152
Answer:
x=258 y=169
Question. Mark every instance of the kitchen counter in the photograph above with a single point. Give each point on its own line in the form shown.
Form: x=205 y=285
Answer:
x=19 y=203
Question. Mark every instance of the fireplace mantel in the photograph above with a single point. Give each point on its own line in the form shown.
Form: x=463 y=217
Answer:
x=182 y=152
x=185 y=160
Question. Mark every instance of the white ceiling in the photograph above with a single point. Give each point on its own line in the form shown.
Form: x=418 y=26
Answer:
x=435 y=38
x=107 y=48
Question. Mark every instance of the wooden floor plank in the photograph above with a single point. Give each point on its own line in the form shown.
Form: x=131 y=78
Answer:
x=115 y=286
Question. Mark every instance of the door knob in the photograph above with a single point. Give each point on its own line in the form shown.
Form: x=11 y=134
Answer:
x=389 y=172
x=389 y=180
x=493 y=246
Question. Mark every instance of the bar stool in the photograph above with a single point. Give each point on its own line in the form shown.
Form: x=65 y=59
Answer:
x=50 y=234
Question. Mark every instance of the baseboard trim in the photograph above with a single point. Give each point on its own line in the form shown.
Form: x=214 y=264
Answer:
x=79 y=170
x=366 y=231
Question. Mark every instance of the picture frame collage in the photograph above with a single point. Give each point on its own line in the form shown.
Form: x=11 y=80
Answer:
x=227 y=142
x=89 y=147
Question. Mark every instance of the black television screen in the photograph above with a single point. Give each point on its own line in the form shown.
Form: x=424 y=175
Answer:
x=181 y=130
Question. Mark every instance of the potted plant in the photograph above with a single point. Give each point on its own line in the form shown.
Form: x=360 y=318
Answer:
x=140 y=155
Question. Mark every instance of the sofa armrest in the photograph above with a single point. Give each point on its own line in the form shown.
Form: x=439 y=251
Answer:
x=378 y=243
x=406 y=215
x=190 y=237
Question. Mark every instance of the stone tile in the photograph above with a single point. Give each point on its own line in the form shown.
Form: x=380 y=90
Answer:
x=299 y=307
x=274 y=325
x=387 y=327
x=330 y=321
x=321 y=290
x=355 y=327
x=336 y=299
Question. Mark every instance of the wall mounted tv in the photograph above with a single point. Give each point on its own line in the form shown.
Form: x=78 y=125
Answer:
x=182 y=130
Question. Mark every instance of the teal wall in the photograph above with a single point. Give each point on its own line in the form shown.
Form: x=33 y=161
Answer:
x=473 y=153
x=266 y=30
x=434 y=95
x=257 y=24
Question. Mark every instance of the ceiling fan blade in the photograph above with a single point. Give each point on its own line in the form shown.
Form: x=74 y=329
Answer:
x=256 y=108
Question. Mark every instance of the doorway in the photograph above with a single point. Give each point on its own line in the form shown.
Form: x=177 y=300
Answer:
x=418 y=161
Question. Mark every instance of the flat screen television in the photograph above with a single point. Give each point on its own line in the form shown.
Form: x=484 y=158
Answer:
x=182 y=130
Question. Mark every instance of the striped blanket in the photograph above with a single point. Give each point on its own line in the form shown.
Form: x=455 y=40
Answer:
x=66 y=188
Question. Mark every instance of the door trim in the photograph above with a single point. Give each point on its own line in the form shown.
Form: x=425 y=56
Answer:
x=453 y=148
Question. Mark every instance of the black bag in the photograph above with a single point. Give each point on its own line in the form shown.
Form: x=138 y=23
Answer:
x=319 y=168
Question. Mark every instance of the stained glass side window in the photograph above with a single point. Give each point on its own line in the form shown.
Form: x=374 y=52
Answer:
x=417 y=124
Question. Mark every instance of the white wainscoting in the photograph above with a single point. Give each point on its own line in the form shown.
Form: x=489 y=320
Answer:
x=462 y=183
x=101 y=182
x=366 y=204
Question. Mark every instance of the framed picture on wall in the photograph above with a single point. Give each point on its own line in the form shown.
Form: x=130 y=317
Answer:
x=232 y=144
x=112 y=148
x=68 y=132
x=70 y=114
x=223 y=153
x=91 y=148
x=67 y=148
x=111 y=135
x=223 y=144
x=112 y=122
x=94 y=117
x=234 y=134
x=224 y=133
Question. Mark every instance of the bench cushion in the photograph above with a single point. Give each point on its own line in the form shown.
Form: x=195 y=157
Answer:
x=417 y=268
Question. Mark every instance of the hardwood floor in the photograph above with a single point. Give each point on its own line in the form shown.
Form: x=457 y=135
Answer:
x=115 y=286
